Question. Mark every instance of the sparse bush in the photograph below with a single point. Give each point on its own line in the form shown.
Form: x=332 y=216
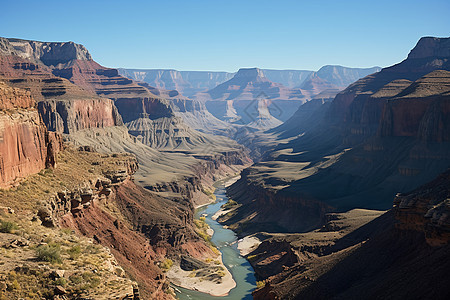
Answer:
x=91 y=280
x=166 y=264
x=76 y=279
x=50 y=253
x=61 y=281
x=8 y=227
x=74 y=252
x=231 y=203
x=13 y=286
x=260 y=284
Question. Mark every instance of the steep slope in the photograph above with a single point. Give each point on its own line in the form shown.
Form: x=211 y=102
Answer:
x=412 y=238
x=146 y=115
x=175 y=181
x=64 y=107
x=26 y=147
x=195 y=114
x=384 y=134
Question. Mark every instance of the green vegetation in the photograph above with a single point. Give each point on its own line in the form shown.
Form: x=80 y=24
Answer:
x=260 y=284
x=61 y=281
x=230 y=204
x=210 y=194
x=201 y=229
x=8 y=227
x=166 y=264
x=50 y=253
x=74 y=252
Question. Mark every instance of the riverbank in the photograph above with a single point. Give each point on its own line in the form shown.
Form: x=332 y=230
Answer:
x=186 y=280
x=238 y=279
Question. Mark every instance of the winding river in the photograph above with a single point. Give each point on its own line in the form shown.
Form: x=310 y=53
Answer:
x=225 y=241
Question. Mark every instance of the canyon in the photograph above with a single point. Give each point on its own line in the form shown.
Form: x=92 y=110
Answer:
x=237 y=97
x=342 y=180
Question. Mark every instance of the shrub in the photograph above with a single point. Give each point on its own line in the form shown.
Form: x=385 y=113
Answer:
x=13 y=286
x=229 y=204
x=166 y=264
x=74 y=252
x=76 y=279
x=50 y=253
x=61 y=281
x=260 y=284
x=8 y=227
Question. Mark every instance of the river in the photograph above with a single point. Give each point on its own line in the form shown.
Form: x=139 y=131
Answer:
x=224 y=238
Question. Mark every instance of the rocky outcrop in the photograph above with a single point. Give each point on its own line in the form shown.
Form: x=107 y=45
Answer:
x=64 y=107
x=50 y=53
x=13 y=98
x=431 y=47
x=413 y=237
x=419 y=63
x=421 y=110
x=426 y=210
x=69 y=116
x=76 y=200
x=26 y=147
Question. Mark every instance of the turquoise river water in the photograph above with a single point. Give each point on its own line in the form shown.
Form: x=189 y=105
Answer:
x=225 y=241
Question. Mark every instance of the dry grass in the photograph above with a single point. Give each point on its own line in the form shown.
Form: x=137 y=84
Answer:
x=73 y=167
x=51 y=249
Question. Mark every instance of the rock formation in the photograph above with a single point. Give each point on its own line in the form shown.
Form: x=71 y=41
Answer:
x=243 y=92
x=26 y=147
x=345 y=259
x=384 y=134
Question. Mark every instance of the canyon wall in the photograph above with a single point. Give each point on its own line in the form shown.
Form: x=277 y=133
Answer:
x=26 y=147
x=384 y=134
x=412 y=238
x=78 y=114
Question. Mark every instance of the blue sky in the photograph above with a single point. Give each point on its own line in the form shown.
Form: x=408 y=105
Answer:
x=227 y=35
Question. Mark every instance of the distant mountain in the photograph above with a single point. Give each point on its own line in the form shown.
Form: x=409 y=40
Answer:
x=288 y=78
x=247 y=84
x=187 y=83
x=241 y=95
x=340 y=76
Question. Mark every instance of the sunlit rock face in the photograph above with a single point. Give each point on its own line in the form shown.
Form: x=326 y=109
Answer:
x=26 y=147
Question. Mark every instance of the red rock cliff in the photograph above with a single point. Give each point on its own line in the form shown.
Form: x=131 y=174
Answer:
x=25 y=145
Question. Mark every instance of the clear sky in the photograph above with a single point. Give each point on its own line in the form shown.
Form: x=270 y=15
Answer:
x=228 y=35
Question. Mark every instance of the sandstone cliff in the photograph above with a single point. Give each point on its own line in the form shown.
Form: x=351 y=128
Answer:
x=26 y=147
x=64 y=107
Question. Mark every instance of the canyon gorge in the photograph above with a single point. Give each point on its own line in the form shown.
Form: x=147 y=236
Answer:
x=121 y=183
